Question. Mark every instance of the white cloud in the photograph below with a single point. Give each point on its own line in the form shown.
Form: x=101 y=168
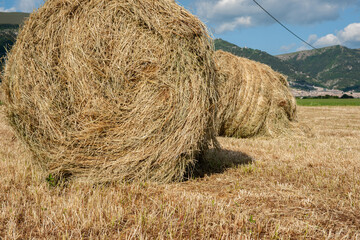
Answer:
x=7 y=10
x=220 y=13
x=230 y=26
x=302 y=48
x=28 y=5
x=351 y=33
x=23 y=6
x=327 y=40
x=287 y=48
x=349 y=36
x=312 y=38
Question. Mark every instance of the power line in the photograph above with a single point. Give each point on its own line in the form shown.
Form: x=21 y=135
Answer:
x=285 y=26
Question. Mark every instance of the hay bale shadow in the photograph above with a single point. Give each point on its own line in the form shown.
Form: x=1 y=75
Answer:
x=216 y=161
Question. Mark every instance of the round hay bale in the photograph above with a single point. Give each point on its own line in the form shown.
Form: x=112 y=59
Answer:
x=113 y=90
x=253 y=99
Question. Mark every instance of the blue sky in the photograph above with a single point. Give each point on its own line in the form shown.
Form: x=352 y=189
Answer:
x=320 y=22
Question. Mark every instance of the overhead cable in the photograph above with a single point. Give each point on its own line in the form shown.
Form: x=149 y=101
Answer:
x=284 y=26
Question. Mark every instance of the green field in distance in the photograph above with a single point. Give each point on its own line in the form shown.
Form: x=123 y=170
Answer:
x=328 y=102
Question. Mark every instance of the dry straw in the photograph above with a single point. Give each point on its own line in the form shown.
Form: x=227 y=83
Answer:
x=2 y=97
x=113 y=90
x=254 y=99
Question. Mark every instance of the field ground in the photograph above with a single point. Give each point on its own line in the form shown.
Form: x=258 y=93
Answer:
x=328 y=102
x=305 y=186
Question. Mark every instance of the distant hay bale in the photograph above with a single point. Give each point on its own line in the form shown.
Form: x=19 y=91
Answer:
x=113 y=90
x=253 y=99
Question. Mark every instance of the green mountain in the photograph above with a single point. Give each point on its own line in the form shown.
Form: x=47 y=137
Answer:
x=335 y=67
x=253 y=54
x=296 y=79
x=16 y=18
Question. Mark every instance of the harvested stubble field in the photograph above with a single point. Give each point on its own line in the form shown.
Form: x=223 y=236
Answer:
x=287 y=188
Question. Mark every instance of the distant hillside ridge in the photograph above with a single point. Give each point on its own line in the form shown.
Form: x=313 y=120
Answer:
x=296 y=79
x=16 y=18
x=335 y=67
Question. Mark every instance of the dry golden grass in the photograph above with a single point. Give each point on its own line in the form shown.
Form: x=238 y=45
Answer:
x=1 y=96
x=287 y=188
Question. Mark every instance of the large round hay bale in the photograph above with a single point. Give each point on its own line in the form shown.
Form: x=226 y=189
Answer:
x=253 y=99
x=113 y=90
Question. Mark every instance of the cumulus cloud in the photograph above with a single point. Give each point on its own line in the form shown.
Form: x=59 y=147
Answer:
x=7 y=9
x=220 y=13
x=23 y=6
x=312 y=38
x=327 y=40
x=302 y=48
x=287 y=48
x=28 y=5
x=349 y=36
x=230 y=26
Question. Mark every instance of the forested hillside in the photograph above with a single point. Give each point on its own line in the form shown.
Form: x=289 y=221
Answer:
x=331 y=67
x=335 y=67
x=15 y=18
x=8 y=34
